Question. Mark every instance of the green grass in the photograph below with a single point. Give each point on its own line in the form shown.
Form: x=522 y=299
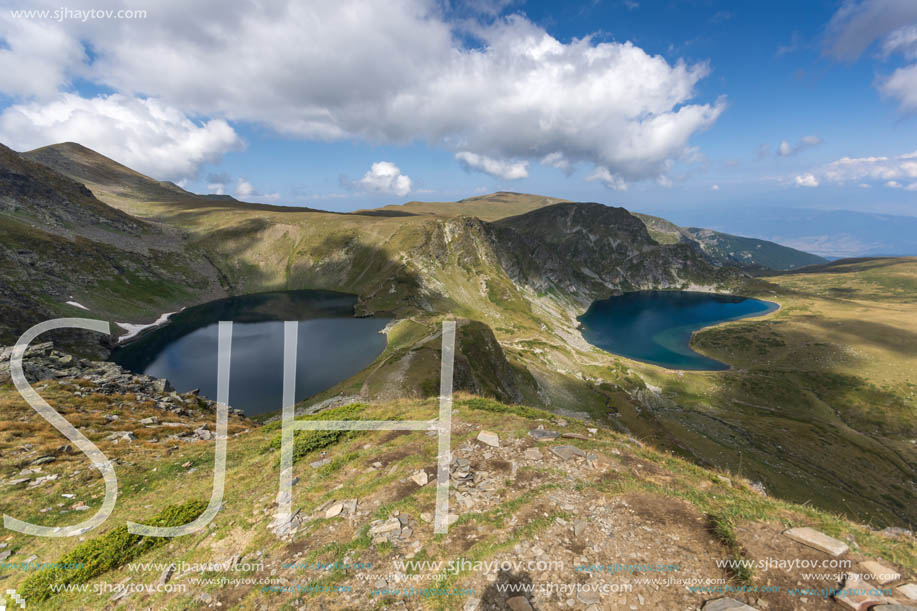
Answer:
x=107 y=552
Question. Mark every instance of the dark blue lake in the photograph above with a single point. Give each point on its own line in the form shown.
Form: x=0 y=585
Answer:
x=656 y=326
x=333 y=345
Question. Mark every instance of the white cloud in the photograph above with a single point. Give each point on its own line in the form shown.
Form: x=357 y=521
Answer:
x=785 y=149
x=894 y=184
x=38 y=56
x=806 y=180
x=215 y=188
x=903 y=40
x=859 y=169
x=386 y=177
x=499 y=168
x=715 y=187
x=143 y=134
x=557 y=160
x=902 y=85
x=390 y=72
x=244 y=188
x=608 y=179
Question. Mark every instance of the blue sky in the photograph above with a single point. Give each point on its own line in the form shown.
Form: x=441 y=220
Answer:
x=738 y=104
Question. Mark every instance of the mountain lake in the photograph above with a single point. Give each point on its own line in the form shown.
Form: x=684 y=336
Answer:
x=656 y=326
x=333 y=345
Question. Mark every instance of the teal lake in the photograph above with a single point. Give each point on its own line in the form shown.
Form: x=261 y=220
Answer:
x=656 y=326
x=333 y=345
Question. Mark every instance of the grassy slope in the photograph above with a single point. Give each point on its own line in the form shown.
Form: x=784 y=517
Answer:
x=637 y=488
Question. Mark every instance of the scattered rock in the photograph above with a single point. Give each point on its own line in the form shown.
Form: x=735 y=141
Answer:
x=567 y=452
x=881 y=574
x=543 y=435
x=818 y=540
x=726 y=604
x=420 y=478
x=319 y=463
x=533 y=454
x=578 y=527
x=43 y=460
x=388 y=526
x=489 y=438
x=518 y=603
x=574 y=436
x=909 y=590
x=472 y=604
x=850 y=597
x=334 y=510
x=588 y=597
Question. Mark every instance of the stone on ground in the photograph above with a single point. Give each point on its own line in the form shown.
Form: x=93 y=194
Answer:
x=543 y=435
x=533 y=454
x=726 y=604
x=818 y=540
x=490 y=438
x=420 y=478
x=909 y=590
x=334 y=510
x=567 y=452
x=881 y=574
x=518 y=603
x=849 y=599
x=472 y=604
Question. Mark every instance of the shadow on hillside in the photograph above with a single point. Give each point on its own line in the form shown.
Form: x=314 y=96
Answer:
x=880 y=335
x=341 y=262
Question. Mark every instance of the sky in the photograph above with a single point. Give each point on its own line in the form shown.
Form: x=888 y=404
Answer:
x=652 y=105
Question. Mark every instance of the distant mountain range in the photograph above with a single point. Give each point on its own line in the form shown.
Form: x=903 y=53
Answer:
x=832 y=234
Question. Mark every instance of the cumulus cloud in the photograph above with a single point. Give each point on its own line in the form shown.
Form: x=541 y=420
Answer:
x=244 y=188
x=902 y=85
x=715 y=187
x=557 y=160
x=507 y=170
x=392 y=72
x=785 y=149
x=806 y=180
x=144 y=134
x=386 y=177
x=884 y=169
x=604 y=176
x=38 y=56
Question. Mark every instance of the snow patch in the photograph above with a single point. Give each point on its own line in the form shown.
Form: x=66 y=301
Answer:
x=77 y=305
x=134 y=330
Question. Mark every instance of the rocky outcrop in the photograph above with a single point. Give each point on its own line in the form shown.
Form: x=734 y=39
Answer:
x=45 y=362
